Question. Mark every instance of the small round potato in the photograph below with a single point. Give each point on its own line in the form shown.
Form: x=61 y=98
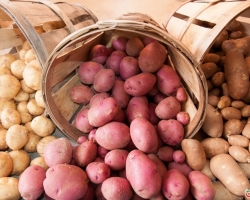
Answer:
x=22 y=96
x=43 y=142
x=10 y=117
x=9 y=188
x=26 y=45
x=40 y=162
x=3 y=144
x=9 y=86
x=22 y=107
x=6 y=104
x=39 y=98
x=31 y=145
x=17 y=68
x=28 y=126
x=26 y=88
x=42 y=126
x=29 y=56
x=17 y=137
x=21 y=161
x=6 y=164
x=6 y=60
x=34 y=108
x=22 y=53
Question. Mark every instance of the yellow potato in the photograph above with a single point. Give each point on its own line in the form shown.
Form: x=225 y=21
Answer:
x=28 y=126
x=21 y=160
x=240 y=154
x=25 y=117
x=39 y=98
x=6 y=104
x=22 y=53
x=43 y=142
x=34 y=108
x=6 y=60
x=10 y=117
x=238 y=140
x=9 y=189
x=29 y=56
x=4 y=71
x=22 y=107
x=9 y=87
x=31 y=145
x=245 y=111
x=17 y=68
x=17 y=137
x=40 y=162
x=22 y=96
x=42 y=126
x=26 y=88
x=6 y=164
x=32 y=75
x=3 y=144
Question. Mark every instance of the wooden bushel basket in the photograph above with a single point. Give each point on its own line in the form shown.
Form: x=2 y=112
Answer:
x=188 y=22
x=26 y=20
x=60 y=72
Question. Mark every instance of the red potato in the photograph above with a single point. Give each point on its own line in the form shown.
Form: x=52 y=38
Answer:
x=104 y=80
x=201 y=186
x=159 y=163
x=183 y=167
x=154 y=91
x=114 y=60
x=70 y=180
x=129 y=67
x=113 y=135
x=134 y=46
x=120 y=43
x=159 y=97
x=58 y=151
x=140 y=84
x=121 y=96
x=98 y=53
x=91 y=136
x=87 y=71
x=171 y=131
x=104 y=112
x=81 y=121
x=152 y=57
x=98 y=172
x=116 y=159
x=30 y=187
x=175 y=185
x=179 y=156
x=168 y=81
x=181 y=94
x=90 y=194
x=141 y=172
x=101 y=152
x=137 y=107
x=168 y=108
x=85 y=153
x=97 y=98
x=81 y=139
x=147 y=40
x=165 y=153
x=81 y=94
x=143 y=135
x=112 y=185
x=120 y=116
x=153 y=118
x=183 y=117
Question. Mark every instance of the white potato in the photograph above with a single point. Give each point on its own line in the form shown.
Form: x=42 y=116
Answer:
x=39 y=98
x=10 y=117
x=31 y=145
x=22 y=107
x=6 y=60
x=22 y=53
x=6 y=104
x=26 y=88
x=21 y=160
x=28 y=126
x=25 y=117
x=6 y=164
x=4 y=71
x=34 y=108
x=17 y=68
x=29 y=56
x=3 y=144
x=9 y=188
x=42 y=126
x=22 y=96
x=9 y=86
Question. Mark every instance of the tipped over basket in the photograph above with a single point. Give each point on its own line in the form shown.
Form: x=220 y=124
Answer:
x=60 y=73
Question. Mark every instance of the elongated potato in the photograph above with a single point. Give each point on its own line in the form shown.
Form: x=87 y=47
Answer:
x=240 y=154
x=195 y=153
x=239 y=140
x=236 y=74
x=226 y=169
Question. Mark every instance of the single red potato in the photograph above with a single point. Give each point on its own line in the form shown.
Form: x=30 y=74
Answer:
x=134 y=46
x=116 y=159
x=119 y=43
x=81 y=121
x=104 y=80
x=114 y=60
x=129 y=67
x=81 y=94
x=98 y=53
x=98 y=172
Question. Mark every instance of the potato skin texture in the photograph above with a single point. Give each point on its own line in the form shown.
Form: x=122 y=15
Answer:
x=236 y=74
x=98 y=172
x=141 y=172
x=152 y=57
x=226 y=169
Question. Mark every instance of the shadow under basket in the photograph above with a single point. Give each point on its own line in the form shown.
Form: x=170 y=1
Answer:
x=60 y=72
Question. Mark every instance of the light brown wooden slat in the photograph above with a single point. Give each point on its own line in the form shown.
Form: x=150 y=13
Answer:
x=10 y=38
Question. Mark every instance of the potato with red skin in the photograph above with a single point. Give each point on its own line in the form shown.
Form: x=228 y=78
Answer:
x=81 y=94
x=87 y=71
x=98 y=172
x=121 y=96
x=104 y=80
x=81 y=121
x=113 y=135
x=129 y=67
x=70 y=180
x=137 y=107
x=165 y=153
x=30 y=187
x=85 y=153
x=140 y=84
x=116 y=159
x=97 y=98
x=141 y=172
x=168 y=81
x=181 y=94
x=58 y=151
x=175 y=185
x=134 y=46
x=114 y=60
x=153 y=118
x=98 y=53
x=144 y=135
x=147 y=40
x=104 y=112
x=171 y=131
x=168 y=108
x=183 y=117
x=161 y=166
x=201 y=186
x=179 y=156
x=183 y=167
x=119 y=43
x=152 y=57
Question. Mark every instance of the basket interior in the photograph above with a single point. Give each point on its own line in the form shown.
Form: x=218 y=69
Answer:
x=61 y=74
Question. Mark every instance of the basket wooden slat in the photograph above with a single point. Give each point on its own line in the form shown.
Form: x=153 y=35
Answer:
x=60 y=70
x=191 y=16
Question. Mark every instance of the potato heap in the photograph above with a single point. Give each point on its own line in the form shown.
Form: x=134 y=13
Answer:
x=133 y=144
x=25 y=128
x=226 y=127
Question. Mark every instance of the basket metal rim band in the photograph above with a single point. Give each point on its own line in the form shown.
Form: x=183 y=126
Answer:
x=31 y=35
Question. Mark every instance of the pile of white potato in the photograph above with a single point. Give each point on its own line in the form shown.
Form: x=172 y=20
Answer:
x=24 y=126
